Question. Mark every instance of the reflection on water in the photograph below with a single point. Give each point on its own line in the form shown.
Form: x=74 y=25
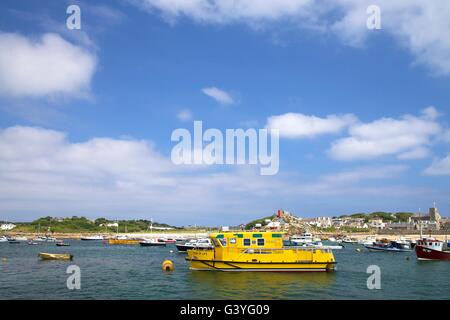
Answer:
x=259 y=285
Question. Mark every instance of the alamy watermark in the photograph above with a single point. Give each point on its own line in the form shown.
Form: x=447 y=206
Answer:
x=73 y=21
x=74 y=280
x=374 y=280
x=373 y=21
x=236 y=146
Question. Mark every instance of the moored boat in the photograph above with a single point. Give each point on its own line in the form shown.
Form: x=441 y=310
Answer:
x=304 y=238
x=349 y=240
x=3 y=239
x=391 y=246
x=45 y=239
x=152 y=243
x=167 y=240
x=55 y=256
x=62 y=244
x=123 y=240
x=258 y=251
x=92 y=238
x=17 y=239
x=432 y=249
x=368 y=241
x=204 y=243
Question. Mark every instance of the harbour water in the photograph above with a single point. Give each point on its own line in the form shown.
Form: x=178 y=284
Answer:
x=134 y=272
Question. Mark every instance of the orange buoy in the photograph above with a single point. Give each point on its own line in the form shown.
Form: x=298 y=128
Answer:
x=167 y=265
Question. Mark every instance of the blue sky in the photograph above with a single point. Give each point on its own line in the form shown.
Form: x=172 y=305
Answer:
x=86 y=115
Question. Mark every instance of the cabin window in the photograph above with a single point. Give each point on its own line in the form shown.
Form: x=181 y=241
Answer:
x=260 y=242
x=232 y=240
x=216 y=242
x=246 y=242
x=276 y=235
x=257 y=235
x=223 y=242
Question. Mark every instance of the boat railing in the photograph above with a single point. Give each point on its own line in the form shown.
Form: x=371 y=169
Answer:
x=277 y=250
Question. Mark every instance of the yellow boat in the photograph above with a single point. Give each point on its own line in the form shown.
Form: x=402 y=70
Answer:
x=123 y=241
x=258 y=251
x=55 y=256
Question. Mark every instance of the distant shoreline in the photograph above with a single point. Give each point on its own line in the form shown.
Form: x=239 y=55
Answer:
x=202 y=233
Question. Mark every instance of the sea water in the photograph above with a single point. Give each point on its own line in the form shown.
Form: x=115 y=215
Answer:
x=134 y=272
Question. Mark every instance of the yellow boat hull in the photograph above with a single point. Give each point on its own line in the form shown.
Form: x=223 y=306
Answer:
x=202 y=265
x=122 y=241
x=288 y=260
x=55 y=256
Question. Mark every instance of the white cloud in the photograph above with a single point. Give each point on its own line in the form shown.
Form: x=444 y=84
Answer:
x=364 y=173
x=407 y=136
x=225 y=11
x=184 y=115
x=219 y=95
x=297 y=125
x=417 y=153
x=45 y=67
x=439 y=167
x=420 y=26
x=43 y=173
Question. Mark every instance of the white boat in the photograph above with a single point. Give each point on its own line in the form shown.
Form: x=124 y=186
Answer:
x=203 y=243
x=152 y=243
x=15 y=239
x=319 y=245
x=92 y=238
x=304 y=238
x=3 y=239
x=368 y=241
x=332 y=239
x=45 y=239
x=349 y=240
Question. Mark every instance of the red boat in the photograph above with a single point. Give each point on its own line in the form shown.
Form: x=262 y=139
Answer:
x=432 y=249
x=168 y=241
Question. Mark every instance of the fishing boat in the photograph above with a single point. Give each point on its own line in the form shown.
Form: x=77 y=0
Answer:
x=391 y=246
x=92 y=238
x=62 y=244
x=432 y=249
x=55 y=256
x=152 y=243
x=257 y=251
x=204 y=243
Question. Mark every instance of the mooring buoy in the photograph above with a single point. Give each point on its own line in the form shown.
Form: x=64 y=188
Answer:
x=167 y=265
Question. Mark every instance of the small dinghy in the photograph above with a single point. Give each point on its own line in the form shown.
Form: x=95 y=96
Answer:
x=55 y=256
x=62 y=244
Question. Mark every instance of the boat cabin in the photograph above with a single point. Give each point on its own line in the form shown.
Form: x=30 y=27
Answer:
x=431 y=244
x=247 y=239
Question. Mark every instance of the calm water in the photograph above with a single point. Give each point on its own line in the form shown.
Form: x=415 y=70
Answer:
x=134 y=272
